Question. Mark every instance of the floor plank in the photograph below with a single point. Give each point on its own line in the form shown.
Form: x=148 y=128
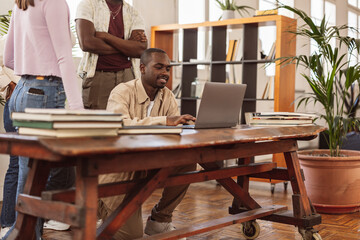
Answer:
x=205 y=201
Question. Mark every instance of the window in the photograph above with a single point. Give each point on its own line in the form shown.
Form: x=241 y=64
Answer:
x=267 y=34
x=355 y=3
x=354 y=17
x=354 y=22
x=321 y=7
x=318 y=9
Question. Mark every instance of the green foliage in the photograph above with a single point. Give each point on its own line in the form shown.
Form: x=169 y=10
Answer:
x=2 y=101
x=332 y=78
x=230 y=5
x=4 y=23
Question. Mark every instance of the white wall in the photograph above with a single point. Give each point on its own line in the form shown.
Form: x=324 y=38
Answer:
x=156 y=12
x=5 y=6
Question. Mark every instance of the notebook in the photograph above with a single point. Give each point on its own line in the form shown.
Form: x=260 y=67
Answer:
x=220 y=105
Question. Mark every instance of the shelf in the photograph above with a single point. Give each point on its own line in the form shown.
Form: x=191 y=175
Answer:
x=222 y=62
x=257 y=99
x=283 y=83
x=243 y=61
x=245 y=99
x=196 y=63
x=188 y=98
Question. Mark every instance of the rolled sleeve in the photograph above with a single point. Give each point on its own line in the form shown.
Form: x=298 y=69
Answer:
x=138 y=21
x=85 y=10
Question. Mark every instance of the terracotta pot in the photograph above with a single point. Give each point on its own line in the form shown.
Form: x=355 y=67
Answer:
x=332 y=183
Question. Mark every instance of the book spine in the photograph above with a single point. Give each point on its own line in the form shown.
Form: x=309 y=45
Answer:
x=33 y=124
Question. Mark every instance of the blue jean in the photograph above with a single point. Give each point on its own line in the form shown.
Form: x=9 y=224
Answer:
x=33 y=93
x=11 y=179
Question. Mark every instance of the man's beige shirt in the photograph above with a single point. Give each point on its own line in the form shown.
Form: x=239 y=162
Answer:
x=131 y=100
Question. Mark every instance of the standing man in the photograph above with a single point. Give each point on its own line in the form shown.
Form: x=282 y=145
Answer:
x=111 y=34
x=146 y=101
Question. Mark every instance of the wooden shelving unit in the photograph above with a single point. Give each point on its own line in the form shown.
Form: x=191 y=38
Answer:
x=284 y=82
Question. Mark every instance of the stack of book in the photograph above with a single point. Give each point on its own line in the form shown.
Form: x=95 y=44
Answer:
x=67 y=123
x=279 y=118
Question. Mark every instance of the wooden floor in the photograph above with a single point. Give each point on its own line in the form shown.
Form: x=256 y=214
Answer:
x=207 y=200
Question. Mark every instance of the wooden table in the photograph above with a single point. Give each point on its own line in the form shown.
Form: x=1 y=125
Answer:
x=159 y=154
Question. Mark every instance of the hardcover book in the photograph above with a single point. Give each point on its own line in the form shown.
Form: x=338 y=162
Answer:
x=67 y=124
x=278 y=118
x=152 y=129
x=65 y=133
x=46 y=114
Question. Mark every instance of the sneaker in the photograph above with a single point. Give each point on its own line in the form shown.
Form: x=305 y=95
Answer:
x=154 y=227
x=4 y=231
x=98 y=223
x=55 y=225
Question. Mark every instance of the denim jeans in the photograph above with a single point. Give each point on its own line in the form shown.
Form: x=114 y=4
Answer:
x=33 y=93
x=11 y=179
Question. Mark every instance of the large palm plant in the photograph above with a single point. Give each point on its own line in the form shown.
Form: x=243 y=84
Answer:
x=331 y=77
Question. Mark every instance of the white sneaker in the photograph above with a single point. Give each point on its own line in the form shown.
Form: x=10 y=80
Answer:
x=4 y=231
x=154 y=227
x=98 y=223
x=55 y=225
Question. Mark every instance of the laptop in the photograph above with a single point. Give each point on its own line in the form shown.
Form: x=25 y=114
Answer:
x=220 y=105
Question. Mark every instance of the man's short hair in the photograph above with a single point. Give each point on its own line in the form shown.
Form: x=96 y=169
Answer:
x=144 y=59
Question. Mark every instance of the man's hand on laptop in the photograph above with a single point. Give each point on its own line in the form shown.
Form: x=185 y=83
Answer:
x=183 y=119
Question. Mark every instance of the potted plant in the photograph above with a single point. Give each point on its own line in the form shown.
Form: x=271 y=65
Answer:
x=229 y=7
x=332 y=176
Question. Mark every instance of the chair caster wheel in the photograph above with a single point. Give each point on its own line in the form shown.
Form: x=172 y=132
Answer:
x=310 y=234
x=250 y=230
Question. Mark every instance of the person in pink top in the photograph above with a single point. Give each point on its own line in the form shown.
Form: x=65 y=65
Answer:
x=38 y=48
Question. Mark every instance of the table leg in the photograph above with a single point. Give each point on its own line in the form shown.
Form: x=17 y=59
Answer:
x=35 y=183
x=302 y=207
x=86 y=197
x=134 y=199
x=243 y=182
x=301 y=204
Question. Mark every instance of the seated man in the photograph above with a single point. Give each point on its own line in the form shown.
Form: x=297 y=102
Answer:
x=147 y=101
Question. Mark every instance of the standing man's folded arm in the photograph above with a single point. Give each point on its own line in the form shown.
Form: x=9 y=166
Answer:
x=89 y=42
x=133 y=47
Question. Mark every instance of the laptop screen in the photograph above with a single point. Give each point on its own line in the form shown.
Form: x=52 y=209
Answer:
x=220 y=105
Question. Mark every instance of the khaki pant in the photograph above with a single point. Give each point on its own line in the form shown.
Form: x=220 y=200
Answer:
x=161 y=212
x=96 y=90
